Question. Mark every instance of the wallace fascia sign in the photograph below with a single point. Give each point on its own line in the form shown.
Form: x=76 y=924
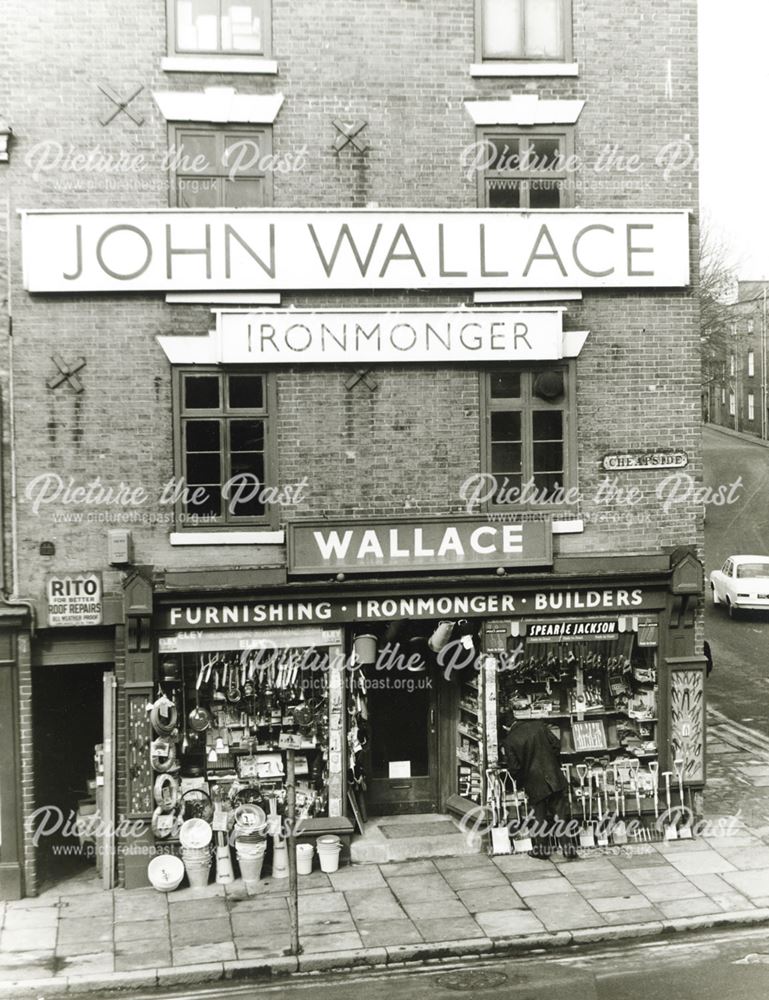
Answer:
x=264 y=249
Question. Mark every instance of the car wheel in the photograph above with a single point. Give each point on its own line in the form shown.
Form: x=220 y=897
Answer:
x=716 y=599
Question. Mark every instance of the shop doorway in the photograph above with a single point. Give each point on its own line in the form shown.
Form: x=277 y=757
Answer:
x=403 y=748
x=68 y=725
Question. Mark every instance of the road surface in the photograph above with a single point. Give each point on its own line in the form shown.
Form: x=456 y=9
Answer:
x=739 y=684
x=717 y=966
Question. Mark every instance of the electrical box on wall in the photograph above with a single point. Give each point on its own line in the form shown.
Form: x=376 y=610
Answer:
x=119 y=547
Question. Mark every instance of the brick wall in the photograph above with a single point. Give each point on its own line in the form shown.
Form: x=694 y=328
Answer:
x=406 y=448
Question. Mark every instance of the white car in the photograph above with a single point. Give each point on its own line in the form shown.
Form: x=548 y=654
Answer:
x=741 y=583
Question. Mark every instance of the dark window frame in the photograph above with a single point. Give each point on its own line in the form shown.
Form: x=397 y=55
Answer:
x=264 y=53
x=526 y=133
x=224 y=413
x=263 y=133
x=567 y=35
x=527 y=405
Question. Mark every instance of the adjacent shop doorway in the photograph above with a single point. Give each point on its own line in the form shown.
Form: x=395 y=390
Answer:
x=69 y=707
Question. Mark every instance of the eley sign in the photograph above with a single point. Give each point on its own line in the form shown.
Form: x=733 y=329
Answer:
x=406 y=546
x=263 y=249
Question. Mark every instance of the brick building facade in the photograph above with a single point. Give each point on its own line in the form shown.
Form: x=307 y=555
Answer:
x=613 y=86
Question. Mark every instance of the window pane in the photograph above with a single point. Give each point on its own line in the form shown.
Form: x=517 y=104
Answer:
x=502 y=153
x=548 y=456
x=203 y=467
x=547 y=425
x=210 y=503
x=547 y=483
x=242 y=27
x=243 y=154
x=543 y=29
x=244 y=500
x=247 y=435
x=196 y=25
x=506 y=426
x=505 y=385
x=196 y=154
x=502 y=29
x=202 y=435
x=246 y=392
x=543 y=154
x=201 y=392
x=544 y=193
x=505 y=458
x=503 y=194
x=242 y=193
x=507 y=488
x=196 y=192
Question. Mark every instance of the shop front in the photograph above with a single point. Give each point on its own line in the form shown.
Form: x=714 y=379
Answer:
x=398 y=692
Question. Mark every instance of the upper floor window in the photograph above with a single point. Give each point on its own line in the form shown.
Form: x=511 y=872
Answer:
x=750 y=326
x=528 y=435
x=732 y=365
x=731 y=404
x=751 y=363
x=221 y=166
x=751 y=406
x=219 y=26
x=223 y=432
x=524 y=29
x=526 y=168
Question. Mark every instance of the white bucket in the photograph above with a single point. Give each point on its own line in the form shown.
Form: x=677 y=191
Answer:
x=329 y=849
x=198 y=872
x=304 y=853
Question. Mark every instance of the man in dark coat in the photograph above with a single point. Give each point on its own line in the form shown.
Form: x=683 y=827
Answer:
x=532 y=755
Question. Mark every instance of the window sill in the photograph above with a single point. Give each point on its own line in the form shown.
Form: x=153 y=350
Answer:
x=219 y=64
x=265 y=537
x=524 y=69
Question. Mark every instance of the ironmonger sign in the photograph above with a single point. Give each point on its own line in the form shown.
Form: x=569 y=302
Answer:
x=320 y=547
x=204 y=249
x=288 y=336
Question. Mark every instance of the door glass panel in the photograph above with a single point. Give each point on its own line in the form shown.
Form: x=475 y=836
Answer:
x=197 y=192
x=400 y=725
x=503 y=194
x=544 y=193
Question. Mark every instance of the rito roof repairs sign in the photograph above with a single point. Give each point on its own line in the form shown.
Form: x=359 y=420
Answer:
x=441 y=544
x=74 y=599
x=288 y=336
x=259 y=249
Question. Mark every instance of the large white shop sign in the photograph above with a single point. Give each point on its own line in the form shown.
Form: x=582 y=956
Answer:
x=370 y=336
x=207 y=250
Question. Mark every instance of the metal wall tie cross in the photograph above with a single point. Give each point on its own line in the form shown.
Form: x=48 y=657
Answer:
x=67 y=373
x=348 y=133
x=364 y=376
x=120 y=104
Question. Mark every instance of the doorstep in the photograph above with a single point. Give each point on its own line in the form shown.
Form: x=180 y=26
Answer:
x=396 y=838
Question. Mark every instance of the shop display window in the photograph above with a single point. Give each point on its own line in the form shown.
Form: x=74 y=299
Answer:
x=600 y=697
x=217 y=723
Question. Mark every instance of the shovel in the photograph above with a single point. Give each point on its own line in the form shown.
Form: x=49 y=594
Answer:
x=684 y=829
x=602 y=832
x=521 y=843
x=619 y=833
x=500 y=835
x=671 y=830
x=586 y=835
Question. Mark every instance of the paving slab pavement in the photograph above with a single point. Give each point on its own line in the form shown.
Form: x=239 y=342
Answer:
x=408 y=910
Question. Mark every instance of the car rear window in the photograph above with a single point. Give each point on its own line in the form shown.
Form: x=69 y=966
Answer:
x=753 y=570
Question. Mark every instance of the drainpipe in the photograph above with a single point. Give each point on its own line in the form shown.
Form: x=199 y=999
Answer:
x=13 y=599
